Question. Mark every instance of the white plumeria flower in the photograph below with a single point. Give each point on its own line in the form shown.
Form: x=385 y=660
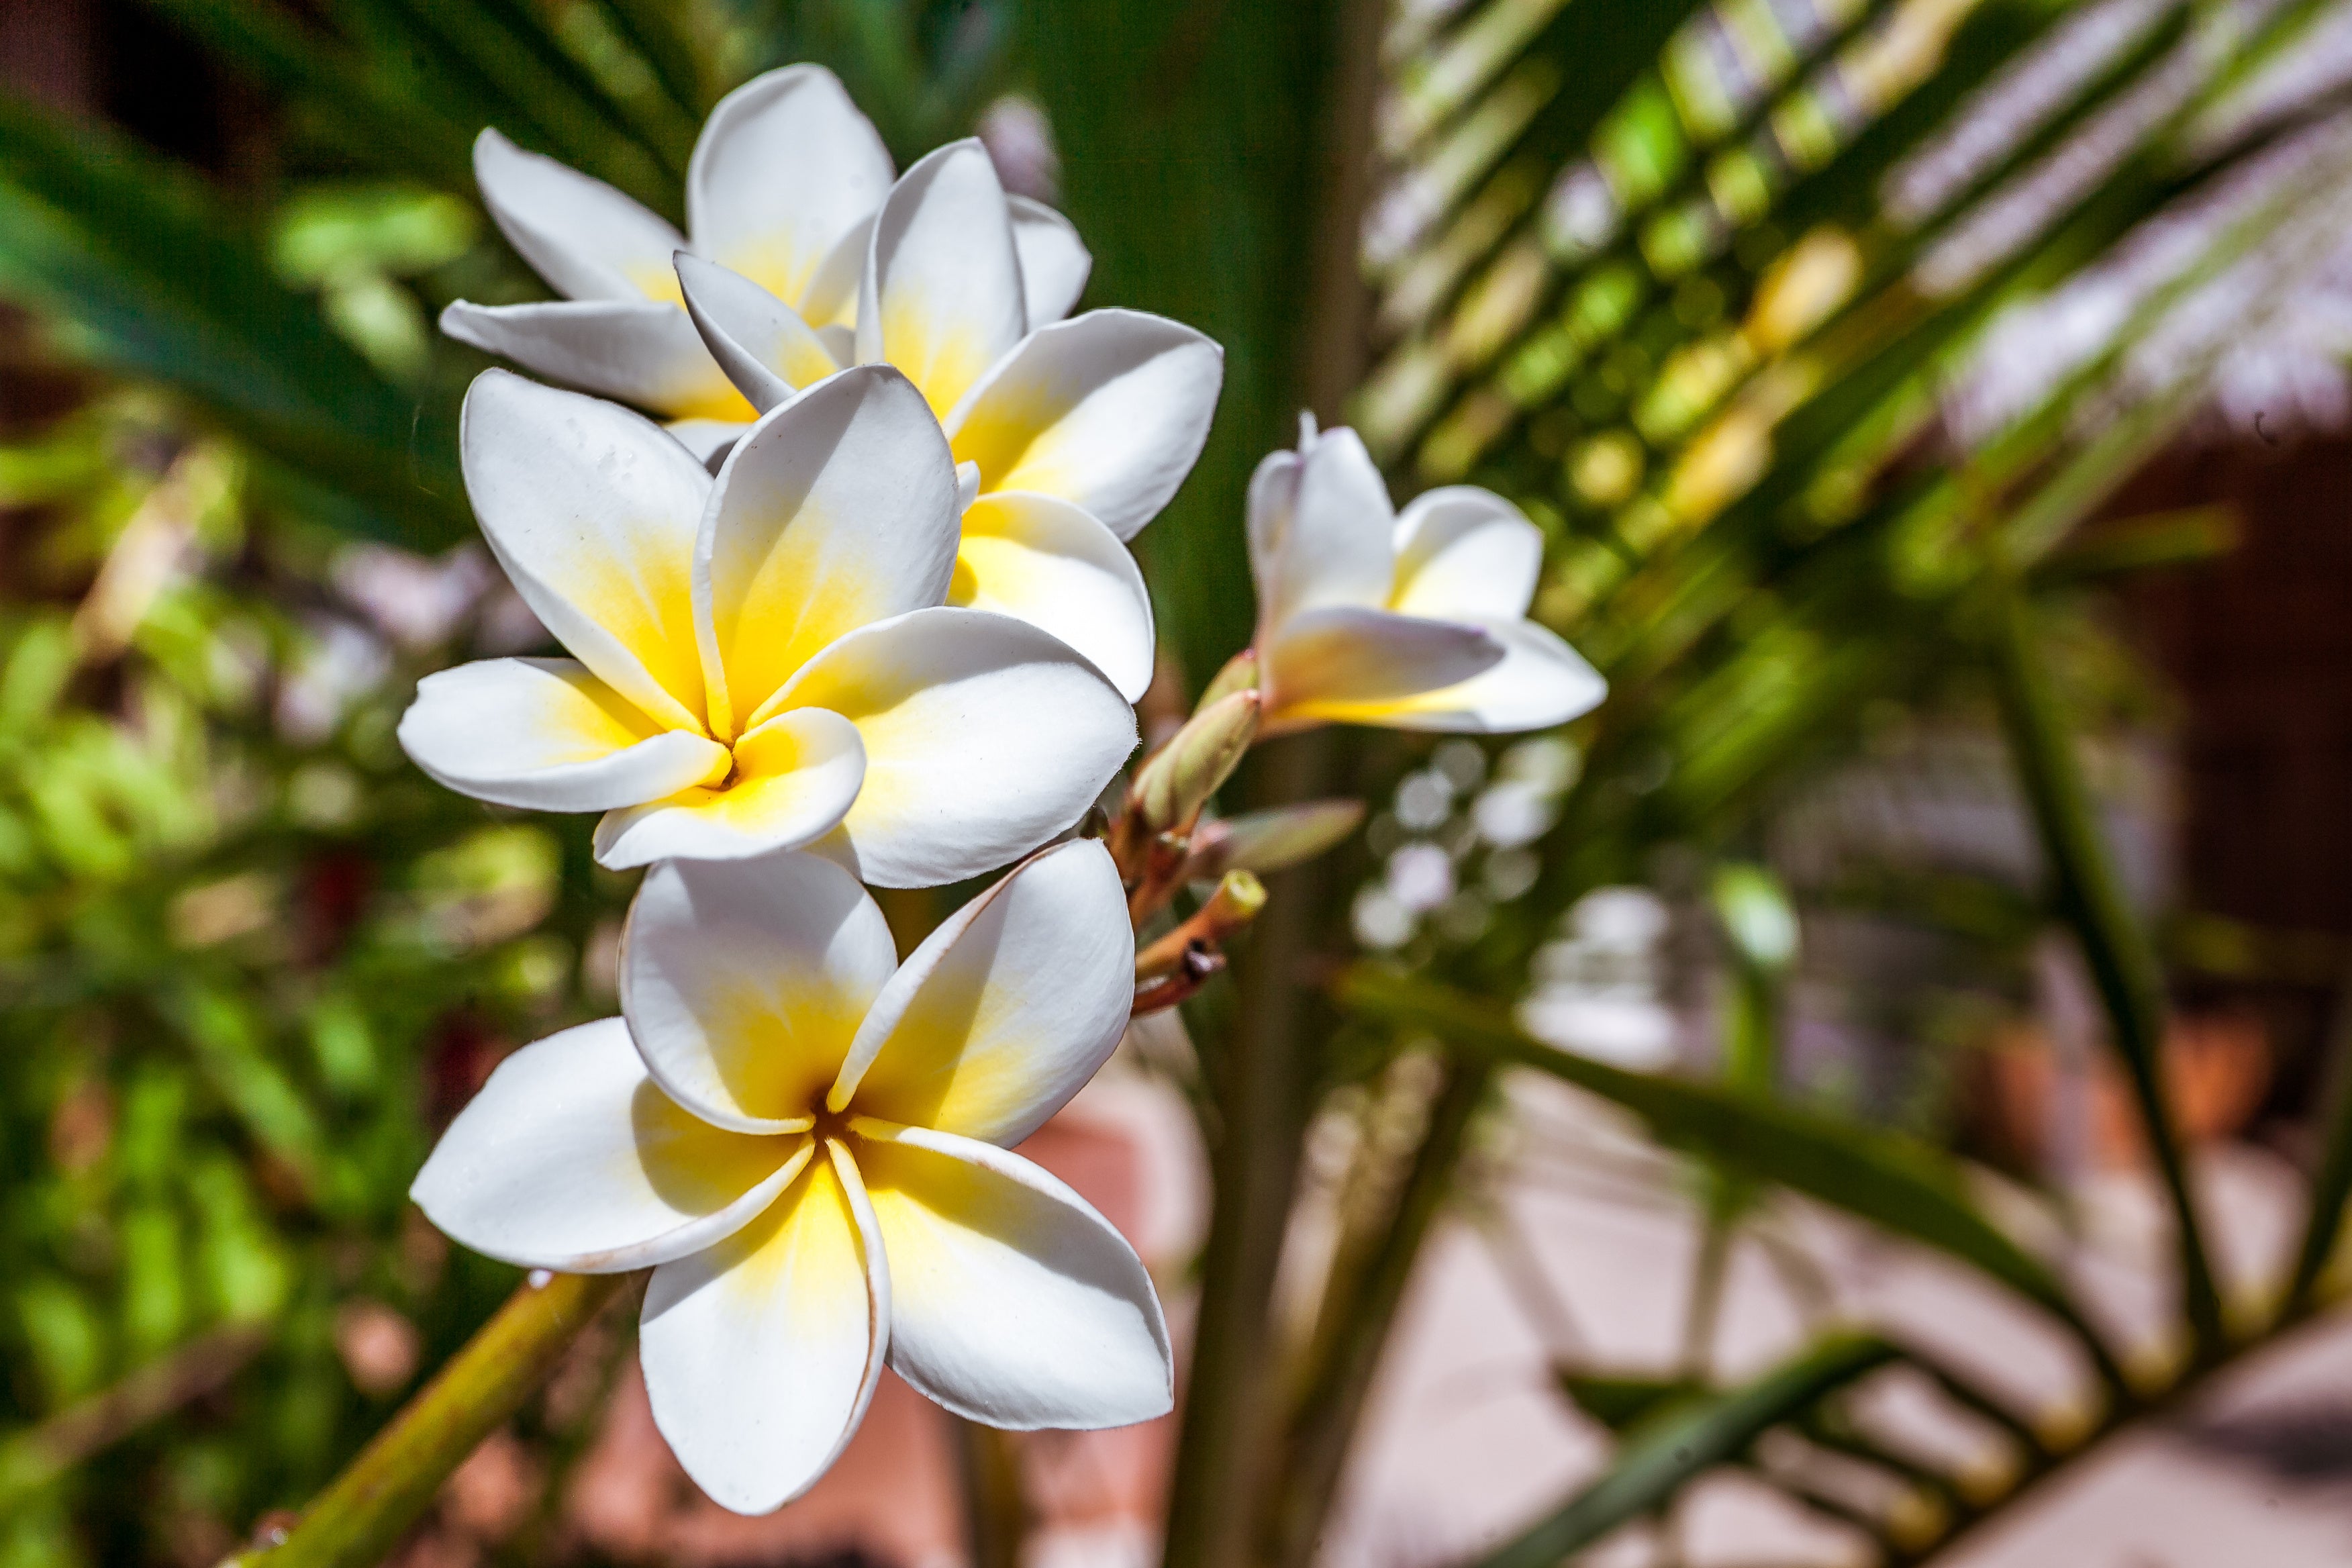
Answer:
x=783 y=187
x=1411 y=622
x=809 y=1150
x=1072 y=434
x=761 y=661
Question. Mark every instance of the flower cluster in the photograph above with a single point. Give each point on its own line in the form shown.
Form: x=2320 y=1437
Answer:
x=862 y=612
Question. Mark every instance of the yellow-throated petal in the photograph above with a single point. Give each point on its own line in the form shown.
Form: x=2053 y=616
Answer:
x=792 y=780
x=784 y=167
x=985 y=737
x=639 y=351
x=1108 y=411
x=573 y=1158
x=1043 y=561
x=836 y=511
x=1341 y=664
x=545 y=734
x=762 y=1353
x=942 y=297
x=762 y=343
x=1319 y=527
x=592 y=511
x=1007 y=1009
x=744 y=983
x=584 y=238
x=1012 y=1300
x=1538 y=682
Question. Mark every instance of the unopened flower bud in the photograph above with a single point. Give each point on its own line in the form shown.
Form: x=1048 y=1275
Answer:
x=1180 y=776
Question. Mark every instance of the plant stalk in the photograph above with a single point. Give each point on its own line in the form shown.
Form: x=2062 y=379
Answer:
x=2114 y=945
x=1367 y=1286
x=364 y=1511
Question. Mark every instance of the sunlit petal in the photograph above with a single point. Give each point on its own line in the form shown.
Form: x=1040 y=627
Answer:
x=1007 y=1009
x=573 y=1158
x=1051 y=565
x=639 y=351
x=942 y=297
x=744 y=981
x=793 y=778
x=784 y=167
x=836 y=511
x=762 y=1353
x=593 y=511
x=1319 y=528
x=1053 y=260
x=1539 y=681
x=1108 y=411
x=985 y=737
x=546 y=734
x=584 y=238
x=1012 y=1300
x=765 y=347
x=1330 y=661
x=1465 y=554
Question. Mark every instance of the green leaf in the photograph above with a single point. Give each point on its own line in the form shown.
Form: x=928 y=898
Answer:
x=363 y=113
x=1619 y=1402
x=152 y=279
x=1891 y=1181
x=1683 y=1439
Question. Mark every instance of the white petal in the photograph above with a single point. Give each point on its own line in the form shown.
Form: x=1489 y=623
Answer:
x=765 y=347
x=1465 y=554
x=584 y=238
x=1053 y=565
x=1012 y=1301
x=942 y=297
x=761 y=1354
x=592 y=511
x=545 y=734
x=830 y=301
x=1108 y=411
x=1053 y=260
x=784 y=167
x=985 y=737
x=1319 y=528
x=640 y=350
x=744 y=981
x=1007 y=1009
x=793 y=780
x=1342 y=659
x=837 y=510
x=709 y=439
x=572 y=1158
x=1540 y=682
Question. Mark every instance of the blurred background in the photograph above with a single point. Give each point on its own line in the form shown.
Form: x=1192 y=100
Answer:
x=1807 y=330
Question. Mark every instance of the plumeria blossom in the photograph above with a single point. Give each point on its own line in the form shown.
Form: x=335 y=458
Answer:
x=809 y=1145
x=1070 y=435
x=1415 y=621
x=762 y=659
x=783 y=187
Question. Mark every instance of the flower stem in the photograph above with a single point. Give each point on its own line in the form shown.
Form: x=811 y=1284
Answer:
x=364 y=1510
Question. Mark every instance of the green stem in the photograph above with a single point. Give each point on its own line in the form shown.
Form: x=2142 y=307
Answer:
x=1264 y=1096
x=1367 y=1285
x=2114 y=945
x=2331 y=1183
x=364 y=1510
x=996 y=1515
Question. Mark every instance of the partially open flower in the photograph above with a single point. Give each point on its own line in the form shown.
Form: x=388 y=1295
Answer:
x=1073 y=433
x=808 y=1142
x=761 y=660
x=1413 y=622
x=783 y=187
